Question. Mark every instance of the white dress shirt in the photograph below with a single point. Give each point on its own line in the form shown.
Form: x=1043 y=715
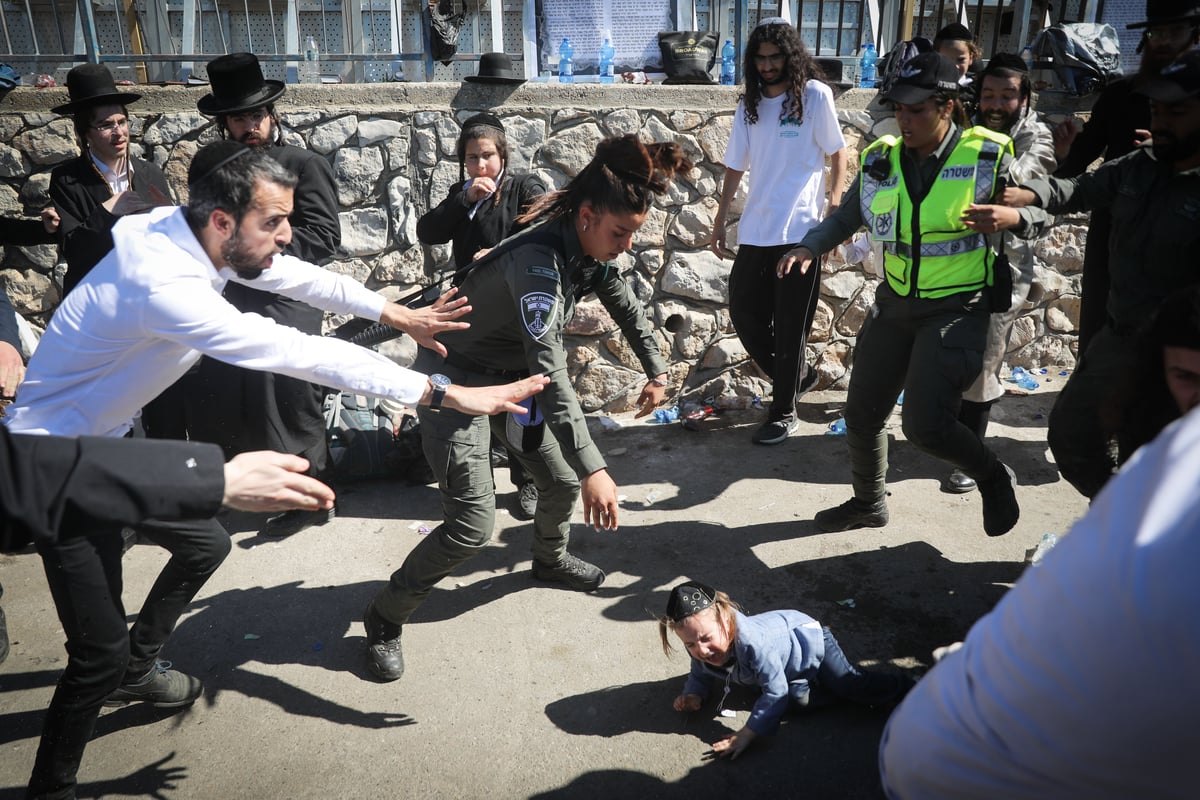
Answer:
x=153 y=306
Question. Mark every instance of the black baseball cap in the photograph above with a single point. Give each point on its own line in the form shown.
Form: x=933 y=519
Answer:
x=1177 y=81
x=922 y=76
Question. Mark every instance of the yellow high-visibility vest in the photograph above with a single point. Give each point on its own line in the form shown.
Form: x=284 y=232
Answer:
x=943 y=256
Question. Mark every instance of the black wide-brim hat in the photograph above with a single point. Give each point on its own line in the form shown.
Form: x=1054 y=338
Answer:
x=92 y=85
x=495 y=68
x=832 y=67
x=1167 y=12
x=238 y=85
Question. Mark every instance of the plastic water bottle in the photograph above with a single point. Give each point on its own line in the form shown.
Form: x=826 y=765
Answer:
x=728 y=63
x=837 y=428
x=607 y=54
x=566 y=61
x=665 y=415
x=866 y=66
x=1022 y=378
x=310 y=71
x=1044 y=546
x=1027 y=57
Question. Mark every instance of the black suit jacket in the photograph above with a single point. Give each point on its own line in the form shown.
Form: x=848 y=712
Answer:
x=77 y=191
x=14 y=231
x=47 y=482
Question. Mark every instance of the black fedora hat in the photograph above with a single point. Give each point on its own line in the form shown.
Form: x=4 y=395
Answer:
x=1166 y=12
x=832 y=68
x=495 y=68
x=237 y=85
x=92 y=85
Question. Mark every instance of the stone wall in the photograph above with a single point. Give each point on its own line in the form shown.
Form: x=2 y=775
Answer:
x=391 y=147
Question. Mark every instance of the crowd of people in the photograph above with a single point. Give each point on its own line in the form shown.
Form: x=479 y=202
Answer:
x=202 y=322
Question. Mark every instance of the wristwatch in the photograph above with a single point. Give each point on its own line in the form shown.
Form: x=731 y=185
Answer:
x=439 y=384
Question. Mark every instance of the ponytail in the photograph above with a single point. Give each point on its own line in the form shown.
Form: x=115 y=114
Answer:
x=623 y=177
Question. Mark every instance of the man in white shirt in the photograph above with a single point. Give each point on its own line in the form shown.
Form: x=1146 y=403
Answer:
x=1081 y=683
x=131 y=328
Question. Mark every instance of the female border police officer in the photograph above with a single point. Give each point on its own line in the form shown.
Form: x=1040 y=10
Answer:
x=531 y=284
x=923 y=197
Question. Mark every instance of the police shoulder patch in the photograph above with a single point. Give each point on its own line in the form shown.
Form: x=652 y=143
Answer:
x=542 y=272
x=537 y=312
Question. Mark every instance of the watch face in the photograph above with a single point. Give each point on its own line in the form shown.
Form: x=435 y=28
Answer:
x=440 y=381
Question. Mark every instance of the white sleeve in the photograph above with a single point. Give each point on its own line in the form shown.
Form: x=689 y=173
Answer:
x=826 y=128
x=737 y=152
x=190 y=313
x=318 y=287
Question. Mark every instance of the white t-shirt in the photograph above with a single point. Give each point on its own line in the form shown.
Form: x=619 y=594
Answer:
x=1082 y=682
x=153 y=306
x=786 y=166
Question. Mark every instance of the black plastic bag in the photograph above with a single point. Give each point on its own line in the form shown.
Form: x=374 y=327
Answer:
x=688 y=56
x=444 y=25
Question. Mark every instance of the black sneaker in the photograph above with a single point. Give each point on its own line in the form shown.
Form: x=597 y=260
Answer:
x=527 y=498
x=385 y=659
x=162 y=687
x=3 y=637
x=1000 y=509
x=292 y=522
x=959 y=482
x=853 y=513
x=576 y=573
x=776 y=431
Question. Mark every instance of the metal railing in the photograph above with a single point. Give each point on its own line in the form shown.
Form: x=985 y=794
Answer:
x=370 y=40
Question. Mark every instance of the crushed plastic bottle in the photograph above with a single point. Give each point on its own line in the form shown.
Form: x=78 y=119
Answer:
x=1022 y=378
x=900 y=399
x=1044 y=546
x=837 y=427
x=665 y=415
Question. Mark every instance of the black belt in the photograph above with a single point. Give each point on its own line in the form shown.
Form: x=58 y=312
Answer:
x=462 y=362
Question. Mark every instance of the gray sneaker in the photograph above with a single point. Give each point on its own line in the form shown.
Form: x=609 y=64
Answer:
x=576 y=573
x=853 y=513
x=162 y=687
x=776 y=431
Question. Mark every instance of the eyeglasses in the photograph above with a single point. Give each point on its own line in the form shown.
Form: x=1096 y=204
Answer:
x=109 y=128
x=251 y=118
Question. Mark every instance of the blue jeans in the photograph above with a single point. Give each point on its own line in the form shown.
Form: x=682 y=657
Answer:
x=838 y=679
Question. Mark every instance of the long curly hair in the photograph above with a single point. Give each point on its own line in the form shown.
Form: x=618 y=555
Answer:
x=797 y=63
x=624 y=177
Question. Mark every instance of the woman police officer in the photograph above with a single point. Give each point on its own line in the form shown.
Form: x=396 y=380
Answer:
x=923 y=197
x=532 y=283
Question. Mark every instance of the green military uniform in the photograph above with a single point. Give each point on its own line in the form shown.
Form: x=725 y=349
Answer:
x=926 y=333
x=523 y=296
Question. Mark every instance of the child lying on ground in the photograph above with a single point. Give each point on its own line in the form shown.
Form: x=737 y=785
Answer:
x=786 y=654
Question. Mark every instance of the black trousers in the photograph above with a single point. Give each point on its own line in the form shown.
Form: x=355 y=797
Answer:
x=773 y=317
x=1095 y=282
x=243 y=410
x=84 y=573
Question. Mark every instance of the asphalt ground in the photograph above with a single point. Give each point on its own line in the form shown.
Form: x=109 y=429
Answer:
x=516 y=689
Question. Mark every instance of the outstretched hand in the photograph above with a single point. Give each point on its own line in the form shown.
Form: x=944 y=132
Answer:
x=733 y=745
x=599 y=494
x=799 y=257
x=650 y=398
x=269 y=481
x=990 y=218
x=477 y=400
x=423 y=324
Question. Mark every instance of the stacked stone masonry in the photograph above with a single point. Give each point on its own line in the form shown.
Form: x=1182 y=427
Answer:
x=392 y=152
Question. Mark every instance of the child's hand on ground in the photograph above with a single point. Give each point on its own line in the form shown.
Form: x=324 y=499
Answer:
x=733 y=746
x=688 y=702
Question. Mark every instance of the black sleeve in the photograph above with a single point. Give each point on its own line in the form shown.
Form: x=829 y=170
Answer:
x=316 y=230
x=438 y=225
x=23 y=232
x=85 y=230
x=8 y=322
x=1092 y=141
x=125 y=481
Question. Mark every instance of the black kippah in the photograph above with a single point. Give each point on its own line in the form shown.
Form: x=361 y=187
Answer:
x=1006 y=61
x=214 y=156
x=954 y=32
x=687 y=599
x=484 y=120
